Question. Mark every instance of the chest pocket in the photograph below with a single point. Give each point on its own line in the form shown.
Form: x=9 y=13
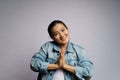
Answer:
x=72 y=59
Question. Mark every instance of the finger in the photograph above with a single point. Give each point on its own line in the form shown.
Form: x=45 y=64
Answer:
x=62 y=54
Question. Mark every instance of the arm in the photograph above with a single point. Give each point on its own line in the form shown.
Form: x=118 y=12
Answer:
x=52 y=66
x=84 y=69
x=39 y=63
x=69 y=68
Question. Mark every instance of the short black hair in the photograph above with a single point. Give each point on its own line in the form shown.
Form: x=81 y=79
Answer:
x=52 y=24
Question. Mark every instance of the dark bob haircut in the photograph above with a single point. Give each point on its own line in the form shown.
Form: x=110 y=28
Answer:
x=53 y=23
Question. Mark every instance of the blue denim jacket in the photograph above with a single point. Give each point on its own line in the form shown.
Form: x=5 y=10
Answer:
x=75 y=56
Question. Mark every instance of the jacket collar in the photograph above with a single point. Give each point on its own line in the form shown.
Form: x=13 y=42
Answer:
x=56 y=47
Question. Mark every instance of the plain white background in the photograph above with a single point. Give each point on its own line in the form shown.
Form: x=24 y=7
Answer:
x=93 y=24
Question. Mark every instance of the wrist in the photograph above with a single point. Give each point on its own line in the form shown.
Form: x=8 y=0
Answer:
x=53 y=66
x=69 y=68
x=65 y=66
x=56 y=66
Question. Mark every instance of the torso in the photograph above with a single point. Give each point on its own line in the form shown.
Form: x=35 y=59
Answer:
x=59 y=75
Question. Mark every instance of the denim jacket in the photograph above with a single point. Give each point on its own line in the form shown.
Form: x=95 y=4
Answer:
x=75 y=56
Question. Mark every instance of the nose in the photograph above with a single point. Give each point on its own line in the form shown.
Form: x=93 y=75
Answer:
x=61 y=34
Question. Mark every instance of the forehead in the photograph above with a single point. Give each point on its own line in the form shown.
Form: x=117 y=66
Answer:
x=57 y=27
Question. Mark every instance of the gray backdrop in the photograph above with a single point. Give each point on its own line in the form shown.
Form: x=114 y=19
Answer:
x=93 y=24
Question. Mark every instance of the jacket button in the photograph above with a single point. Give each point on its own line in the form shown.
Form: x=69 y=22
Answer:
x=58 y=54
x=74 y=64
x=50 y=74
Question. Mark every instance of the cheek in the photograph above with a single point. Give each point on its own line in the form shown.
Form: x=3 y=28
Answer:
x=55 y=38
x=67 y=33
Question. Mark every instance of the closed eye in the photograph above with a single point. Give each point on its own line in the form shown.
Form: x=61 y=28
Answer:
x=55 y=34
x=63 y=30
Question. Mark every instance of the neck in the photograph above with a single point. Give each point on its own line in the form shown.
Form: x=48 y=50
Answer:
x=63 y=48
x=64 y=45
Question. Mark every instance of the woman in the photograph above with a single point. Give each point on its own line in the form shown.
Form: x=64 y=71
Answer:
x=61 y=59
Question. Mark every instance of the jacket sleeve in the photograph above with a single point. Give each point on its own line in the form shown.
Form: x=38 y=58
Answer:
x=38 y=61
x=84 y=69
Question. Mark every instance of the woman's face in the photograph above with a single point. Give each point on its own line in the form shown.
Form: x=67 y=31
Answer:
x=60 y=34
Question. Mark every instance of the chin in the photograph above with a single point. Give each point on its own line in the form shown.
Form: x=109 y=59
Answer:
x=63 y=43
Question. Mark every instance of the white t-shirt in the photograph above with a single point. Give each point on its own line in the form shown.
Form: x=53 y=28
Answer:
x=59 y=75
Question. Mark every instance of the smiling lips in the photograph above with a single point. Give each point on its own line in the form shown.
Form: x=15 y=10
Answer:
x=63 y=38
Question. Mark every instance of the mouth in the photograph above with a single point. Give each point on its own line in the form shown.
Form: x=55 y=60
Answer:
x=63 y=38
